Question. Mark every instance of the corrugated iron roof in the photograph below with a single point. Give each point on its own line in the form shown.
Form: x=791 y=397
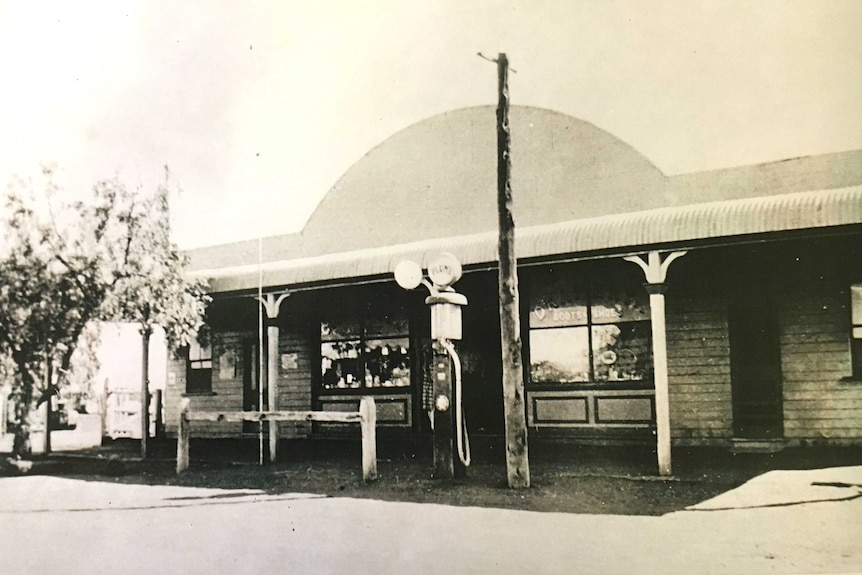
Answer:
x=625 y=232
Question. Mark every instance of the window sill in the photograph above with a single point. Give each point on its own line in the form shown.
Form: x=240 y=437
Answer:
x=199 y=394
x=366 y=390
x=581 y=386
x=855 y=379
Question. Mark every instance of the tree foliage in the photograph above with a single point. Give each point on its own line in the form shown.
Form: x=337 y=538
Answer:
x=152 y=289
x=67 y=264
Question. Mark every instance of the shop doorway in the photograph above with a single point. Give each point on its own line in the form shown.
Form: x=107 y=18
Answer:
x=755 y=369
x=250 y=382
x=482 y=371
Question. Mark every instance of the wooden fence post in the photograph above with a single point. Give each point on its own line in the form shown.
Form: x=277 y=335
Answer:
x=183 y=437
x=368 y=424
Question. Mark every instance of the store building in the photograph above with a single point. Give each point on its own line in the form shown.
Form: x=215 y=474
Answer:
x=715 y=308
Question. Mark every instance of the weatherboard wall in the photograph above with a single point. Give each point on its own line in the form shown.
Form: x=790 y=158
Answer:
x=226 y=392
x=822 y=401
x=808 y=282
x=229 y=366
x=699 y=385
x=297 y=353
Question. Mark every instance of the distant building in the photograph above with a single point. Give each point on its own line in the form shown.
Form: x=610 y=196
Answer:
x=763 y=312
x=119 y=377
x=114 y=391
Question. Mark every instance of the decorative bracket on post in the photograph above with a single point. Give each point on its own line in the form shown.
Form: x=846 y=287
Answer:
x=272 y=303
x=655 y=271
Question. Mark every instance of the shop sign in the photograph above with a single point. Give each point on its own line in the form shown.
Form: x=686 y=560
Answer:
x=289 y=361
x=617 y=311
x=551 y=315
x=227 y=365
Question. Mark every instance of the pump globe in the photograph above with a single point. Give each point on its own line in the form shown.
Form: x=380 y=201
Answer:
x=408 y=274
x=444 y=270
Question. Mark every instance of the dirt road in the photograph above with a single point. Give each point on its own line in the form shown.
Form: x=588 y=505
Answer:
x=58 y=525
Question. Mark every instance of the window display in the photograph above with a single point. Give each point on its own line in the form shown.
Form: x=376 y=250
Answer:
x=584 y=331
x=622 y=352
x=560 y=355
x=373 y=355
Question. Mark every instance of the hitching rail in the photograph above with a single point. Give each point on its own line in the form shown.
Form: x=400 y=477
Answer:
x=366 y=417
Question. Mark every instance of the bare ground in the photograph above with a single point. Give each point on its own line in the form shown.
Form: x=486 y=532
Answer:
x=598 y=480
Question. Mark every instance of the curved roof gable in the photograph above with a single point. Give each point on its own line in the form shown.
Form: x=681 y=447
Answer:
x=438 y=178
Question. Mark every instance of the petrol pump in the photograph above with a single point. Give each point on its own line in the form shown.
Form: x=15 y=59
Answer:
x=447 y=417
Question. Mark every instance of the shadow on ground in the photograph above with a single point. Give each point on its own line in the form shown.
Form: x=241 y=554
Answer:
x=565 y=478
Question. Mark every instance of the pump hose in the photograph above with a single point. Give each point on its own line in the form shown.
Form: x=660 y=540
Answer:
x=462 y=438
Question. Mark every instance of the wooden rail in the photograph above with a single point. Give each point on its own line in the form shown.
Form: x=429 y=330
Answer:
x=366 y=417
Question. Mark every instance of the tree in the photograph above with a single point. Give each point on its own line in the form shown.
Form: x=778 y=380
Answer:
x=56 y=274
x=66 y=266
x=155 y=292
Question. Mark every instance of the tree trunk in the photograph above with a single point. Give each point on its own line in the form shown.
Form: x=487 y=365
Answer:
x=46 y=436
x=49 y=403
x=145 y=389
x=23 y=398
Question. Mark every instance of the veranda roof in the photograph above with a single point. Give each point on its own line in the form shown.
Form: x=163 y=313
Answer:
x=626 y=233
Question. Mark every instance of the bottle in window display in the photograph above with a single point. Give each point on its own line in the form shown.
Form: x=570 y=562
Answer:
x=401 y=375
x=605 y=340
x=375 y=367
x=331 y=373
x=628 y=364
x=401 y=369
x=384 y=360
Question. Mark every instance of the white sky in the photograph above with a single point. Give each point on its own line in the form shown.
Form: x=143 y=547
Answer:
x=258 y=108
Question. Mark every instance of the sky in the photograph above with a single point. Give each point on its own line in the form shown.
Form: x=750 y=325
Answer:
x=259 y=107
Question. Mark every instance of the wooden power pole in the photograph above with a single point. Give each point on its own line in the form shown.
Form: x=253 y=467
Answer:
x=517 y=463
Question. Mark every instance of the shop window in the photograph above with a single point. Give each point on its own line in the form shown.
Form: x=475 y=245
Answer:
x=856 y=329
x=199 y=368
x=588 y=332
x=364 y=354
